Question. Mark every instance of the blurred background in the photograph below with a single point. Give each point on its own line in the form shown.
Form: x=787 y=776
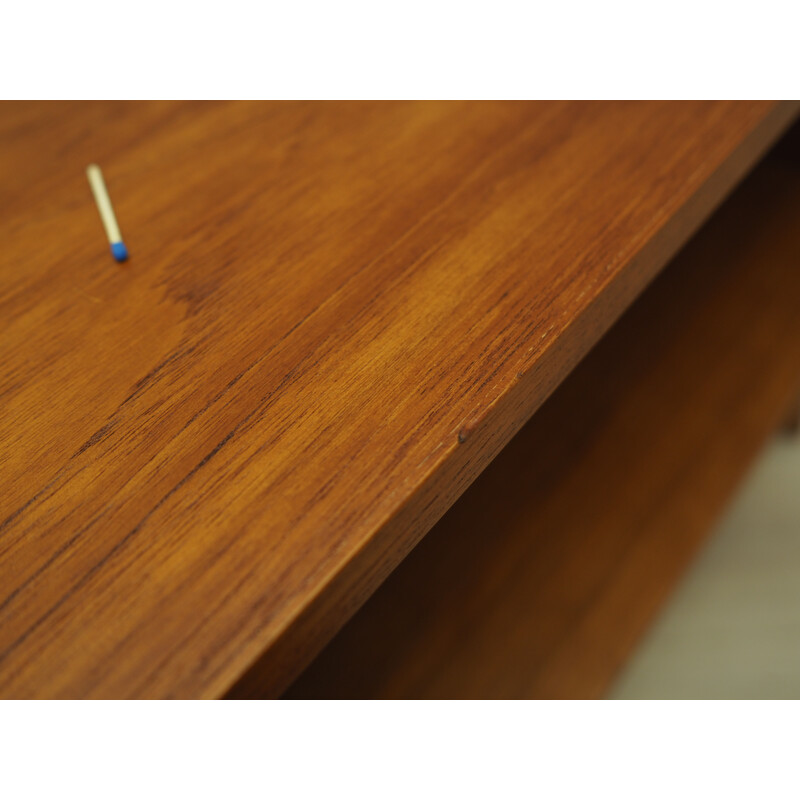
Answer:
x=732 y=627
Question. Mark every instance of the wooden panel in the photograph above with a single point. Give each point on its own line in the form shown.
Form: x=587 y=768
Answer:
x=333 y=317
x=539 y=580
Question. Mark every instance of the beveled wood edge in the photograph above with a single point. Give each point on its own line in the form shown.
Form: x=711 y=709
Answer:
x=268 y=665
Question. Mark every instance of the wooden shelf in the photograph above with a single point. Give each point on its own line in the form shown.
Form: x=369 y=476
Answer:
x=541 y=577
x=333 y=318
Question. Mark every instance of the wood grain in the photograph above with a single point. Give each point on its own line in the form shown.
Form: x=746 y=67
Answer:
x=540 y=579
x=333 y=317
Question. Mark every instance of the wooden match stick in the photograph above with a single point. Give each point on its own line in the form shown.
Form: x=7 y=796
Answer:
x=95 y=175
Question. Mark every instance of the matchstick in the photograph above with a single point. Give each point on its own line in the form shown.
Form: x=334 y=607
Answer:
x=118 y=249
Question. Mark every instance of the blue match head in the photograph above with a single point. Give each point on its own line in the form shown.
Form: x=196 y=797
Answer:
x=119 y=251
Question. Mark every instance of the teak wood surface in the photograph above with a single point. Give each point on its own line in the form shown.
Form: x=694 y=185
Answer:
x=542 y=576
x=333 y=317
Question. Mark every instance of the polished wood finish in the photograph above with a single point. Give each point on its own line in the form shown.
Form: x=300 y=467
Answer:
x=333 y=317
x=542 y=576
